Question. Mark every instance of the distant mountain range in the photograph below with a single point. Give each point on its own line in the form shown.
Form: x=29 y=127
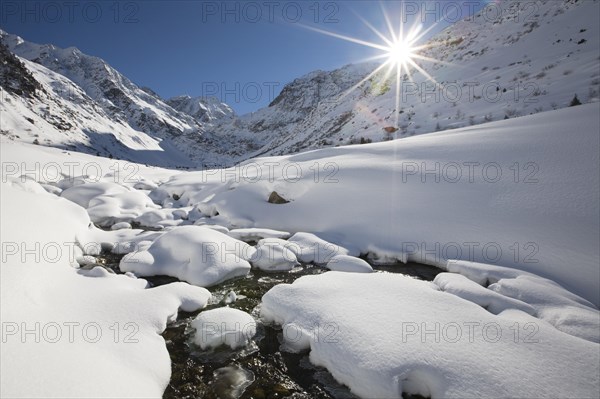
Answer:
x=487 y=69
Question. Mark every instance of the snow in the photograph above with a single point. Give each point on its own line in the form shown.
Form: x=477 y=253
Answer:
x=198 y=255
x=550 y=302
x=387 y=198
x=120 y=226
x=537 y=57
x=530 y=52
x=82 y=194
x=74 y=316
x=106 y=210
x=256 y=234
x=121 y=241
x=382 y=201
x=462 y=287
x=223 y=326
x=351 y=264
x=311 y=249
x=273 y=255
x=402 y=335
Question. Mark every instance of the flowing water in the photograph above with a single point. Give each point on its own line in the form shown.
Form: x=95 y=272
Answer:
x=261 y=370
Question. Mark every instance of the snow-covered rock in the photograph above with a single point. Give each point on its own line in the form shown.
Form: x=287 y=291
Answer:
x=345 y=263
x=462 y=287
x=108 y=209
x=82 y=194
x=403 y=335
x=273 y=255
x=195 y=254
x=309 y=248
x=223 y=326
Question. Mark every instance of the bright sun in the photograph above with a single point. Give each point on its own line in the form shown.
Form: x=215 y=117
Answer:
x=399 y=49
x=401 y=53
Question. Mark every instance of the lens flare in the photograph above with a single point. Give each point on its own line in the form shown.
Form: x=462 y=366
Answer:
x=400 y=52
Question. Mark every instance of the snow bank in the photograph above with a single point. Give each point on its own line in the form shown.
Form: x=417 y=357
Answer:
x=402 y=335
x=195 y=254
x=508 y=288
x=345 y=263
x=58 y=320
x=461 y=286
x=223 y=326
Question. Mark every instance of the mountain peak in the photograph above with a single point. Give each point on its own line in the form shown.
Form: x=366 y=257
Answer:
x=204 y=109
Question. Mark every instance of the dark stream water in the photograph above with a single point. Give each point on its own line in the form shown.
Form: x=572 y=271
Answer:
x=261 y=370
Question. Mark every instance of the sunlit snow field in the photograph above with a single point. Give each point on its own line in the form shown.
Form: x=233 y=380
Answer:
x=508 y=211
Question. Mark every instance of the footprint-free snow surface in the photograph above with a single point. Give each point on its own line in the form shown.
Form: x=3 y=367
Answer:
x=508 y=210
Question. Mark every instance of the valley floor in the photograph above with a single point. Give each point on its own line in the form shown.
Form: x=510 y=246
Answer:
x=508 y=211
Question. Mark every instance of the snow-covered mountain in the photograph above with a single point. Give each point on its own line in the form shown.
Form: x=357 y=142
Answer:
x=202 y=109
x=489 y=68
x=59 y=113
x=86 y=105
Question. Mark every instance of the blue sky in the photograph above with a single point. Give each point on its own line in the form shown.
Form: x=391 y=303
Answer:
x=243 y=52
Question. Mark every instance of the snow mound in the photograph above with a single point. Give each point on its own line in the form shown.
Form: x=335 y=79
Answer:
x=311 y=249
x=461 y=286
x=273 y=255
x=405 y=336
x=107 y=209
x=82 y=194
x=223 y=326
x=545 y=299
x=195 y=254
x=345 y=263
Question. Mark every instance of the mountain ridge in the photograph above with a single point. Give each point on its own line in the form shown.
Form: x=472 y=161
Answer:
x=545 y=69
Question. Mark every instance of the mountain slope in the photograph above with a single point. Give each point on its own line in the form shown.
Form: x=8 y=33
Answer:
x=527 y=61
x=489 y=68
x=101 y=111
x=202 y=109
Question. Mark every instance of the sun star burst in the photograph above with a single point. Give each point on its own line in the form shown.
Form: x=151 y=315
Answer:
x=400 y=53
